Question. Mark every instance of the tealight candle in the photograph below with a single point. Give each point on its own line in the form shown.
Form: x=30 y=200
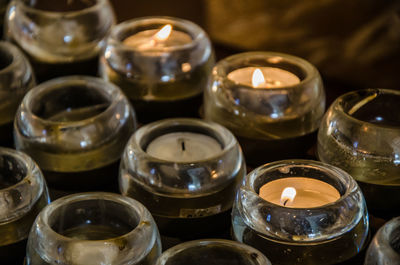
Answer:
x=299 y=192
x=162 y=64
x=318 y=218
x=186 y=172
x=156 y=39
x=272 y=102
x=263 y=77
x=184 y=147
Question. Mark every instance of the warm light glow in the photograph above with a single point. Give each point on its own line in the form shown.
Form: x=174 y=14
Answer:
x=163 y=33
x=257 y=78
x=288 y=195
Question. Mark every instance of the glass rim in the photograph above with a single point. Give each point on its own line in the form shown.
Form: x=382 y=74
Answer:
x=14 y=52
x=384 y=234
x=261 y=258
x=30 y=166
x=311 y=72
x=131 y=204
x=345 y=178
x=64 y=14
x=224 y=133
x=103 y=86
x=195 y=31
x=338 y=106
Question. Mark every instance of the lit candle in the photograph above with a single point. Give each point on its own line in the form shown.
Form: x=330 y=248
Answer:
x=263 y=77
x=299 y=192
x=162 y=65
x=157 y=38
x=184 y=147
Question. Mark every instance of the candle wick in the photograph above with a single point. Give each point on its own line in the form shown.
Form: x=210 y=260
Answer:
x=286 y=201
x=183 y=145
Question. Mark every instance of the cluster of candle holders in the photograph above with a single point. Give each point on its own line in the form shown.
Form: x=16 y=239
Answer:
x=183 y=172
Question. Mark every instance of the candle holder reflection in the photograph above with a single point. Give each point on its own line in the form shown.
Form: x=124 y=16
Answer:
x=92 y=229
x=272 y=102
x=186 y=188
x=360 y=133
x=331 y=230
x=212 y=252
x=162 y=64
x=385 y=246
x=60 y=37
x=23 y=194
x=16 y=78
x=76 y=129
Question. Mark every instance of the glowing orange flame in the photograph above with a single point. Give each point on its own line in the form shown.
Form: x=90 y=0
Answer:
x=257 y=78
x=288 y=195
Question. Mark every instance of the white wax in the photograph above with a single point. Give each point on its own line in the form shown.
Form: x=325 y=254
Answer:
x=309 y=192
x=274 y=77
x=145 y=40
x=184 y=147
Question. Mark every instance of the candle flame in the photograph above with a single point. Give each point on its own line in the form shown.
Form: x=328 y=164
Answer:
x=288 y=195
x=257 y=78
x=163 y=33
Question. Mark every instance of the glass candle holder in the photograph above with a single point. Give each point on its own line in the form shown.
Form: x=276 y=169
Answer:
x=16 y=78
x=212 y=252
x=60 y=37
x=92 y=229
x=163 y=64
x=323 y=221
x=186 y=172
x=360 y=133
x=76 y=129
x=23 y=194
x=385 y=246
x=272 y=102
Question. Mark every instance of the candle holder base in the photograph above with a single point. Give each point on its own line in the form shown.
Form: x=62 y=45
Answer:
x=383 y=200
x=149 y=111
x=6 y=134
x=45 y=71
x=260 y=151
x=99 y=179
x=343 y=250
x=184 y=229
x=13 y=253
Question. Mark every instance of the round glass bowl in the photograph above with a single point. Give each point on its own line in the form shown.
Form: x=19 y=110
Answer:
x=212 y=252
x=16 y=78
x=360 y=133
x=92 y=229
x=76 y=129
x=385 y=246
x=23 y=193
x=186 y=172
x=60 y=37
x=275 y=111
x=163 y=71
x=314 y=227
